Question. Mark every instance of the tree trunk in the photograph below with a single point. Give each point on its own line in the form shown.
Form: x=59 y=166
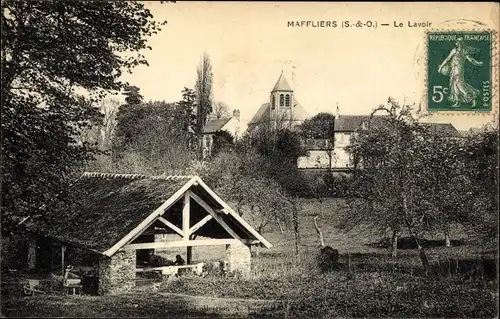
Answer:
x=394 y=252
x=280 y=226
x=296 y=232
x=320 y=233
x=423 y=259
x=447 y=236
x=321 y=209
x=421 y=251
x=422 y=255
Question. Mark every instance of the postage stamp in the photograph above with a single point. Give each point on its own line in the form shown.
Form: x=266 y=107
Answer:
x=459 y=71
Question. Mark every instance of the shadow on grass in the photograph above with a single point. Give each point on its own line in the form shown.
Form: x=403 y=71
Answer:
x=482 y=267
x=409 y=243
x=486 y=268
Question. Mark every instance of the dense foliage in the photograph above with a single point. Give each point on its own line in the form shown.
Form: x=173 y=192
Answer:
x=418 y=179
x=58 y=59
x=320 y=126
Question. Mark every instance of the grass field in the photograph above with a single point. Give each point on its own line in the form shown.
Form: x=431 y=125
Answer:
x=369 y=283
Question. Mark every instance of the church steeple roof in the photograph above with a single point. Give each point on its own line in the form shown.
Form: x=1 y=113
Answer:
x=282 y=84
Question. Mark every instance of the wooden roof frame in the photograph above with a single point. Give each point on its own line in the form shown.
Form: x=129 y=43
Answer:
x=158 y=212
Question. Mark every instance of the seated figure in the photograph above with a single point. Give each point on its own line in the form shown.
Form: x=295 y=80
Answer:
x=179 y=261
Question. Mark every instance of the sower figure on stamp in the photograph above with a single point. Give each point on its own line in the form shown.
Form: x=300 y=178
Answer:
x=453 y=66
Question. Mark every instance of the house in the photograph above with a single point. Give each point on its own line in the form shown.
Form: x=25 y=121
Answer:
x=215 y=125
x=282 y=109
x=331 y=153
x=115 y=217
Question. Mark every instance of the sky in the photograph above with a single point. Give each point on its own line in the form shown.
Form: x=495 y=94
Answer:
x=250 y=44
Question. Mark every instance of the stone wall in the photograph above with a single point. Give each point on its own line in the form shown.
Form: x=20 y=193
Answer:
x=239 y=258
x=117 y=274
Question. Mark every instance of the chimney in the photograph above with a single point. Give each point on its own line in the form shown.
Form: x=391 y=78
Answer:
x=236 y=114
x=337 y=114
x=212 y=116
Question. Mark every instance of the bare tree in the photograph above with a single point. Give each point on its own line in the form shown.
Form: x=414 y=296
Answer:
x=221 y=110
x=318 y=230
x=109 y=109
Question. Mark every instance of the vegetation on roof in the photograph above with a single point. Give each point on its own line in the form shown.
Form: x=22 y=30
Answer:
x=106 y=207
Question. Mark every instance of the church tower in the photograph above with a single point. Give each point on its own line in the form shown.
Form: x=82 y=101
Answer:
x=281 y=101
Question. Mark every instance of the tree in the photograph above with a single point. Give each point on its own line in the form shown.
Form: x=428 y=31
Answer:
x=160 y=138
x=127 y=117
x=52 y=53
x=280 y=149
x=221 y=110
x=389 y=191
x=204 y=94
x=318 y=188
x=321 y=127
x=102 y=132
x=448 y=184
x=133 y=95
x=109 y=109
x=222 y=141
x=481 y=167
x=187 y=107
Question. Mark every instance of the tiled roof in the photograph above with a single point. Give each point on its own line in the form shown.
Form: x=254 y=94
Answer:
x=105 y=207
x=282 y=84
x=350 y=123
x=443 y=129
x=216 y=125
x=298 y=113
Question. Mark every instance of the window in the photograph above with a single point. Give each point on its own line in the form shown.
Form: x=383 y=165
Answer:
x=273 y=101
x=282 y=100
x=287 y=100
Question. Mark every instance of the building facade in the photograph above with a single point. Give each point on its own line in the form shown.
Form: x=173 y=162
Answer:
x=215 y=125
x=333 y=155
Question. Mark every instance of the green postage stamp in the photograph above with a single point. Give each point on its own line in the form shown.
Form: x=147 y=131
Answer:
x=459 y=71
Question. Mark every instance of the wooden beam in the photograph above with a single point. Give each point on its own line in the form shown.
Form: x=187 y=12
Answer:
x=214 y=214
x=202 y=222
x=171 y=226
x=151 y=218
x=63 y=251
x=182 y=243
x=186 y=210
x=229 y=210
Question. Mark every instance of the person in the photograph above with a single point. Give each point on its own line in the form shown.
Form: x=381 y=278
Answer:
x=69 y=275
x=179 y=261
x=453 y=66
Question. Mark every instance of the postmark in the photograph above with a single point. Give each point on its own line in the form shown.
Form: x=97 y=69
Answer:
x=460 y=70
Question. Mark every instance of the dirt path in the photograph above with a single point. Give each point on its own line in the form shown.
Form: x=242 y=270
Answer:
x=240 y=307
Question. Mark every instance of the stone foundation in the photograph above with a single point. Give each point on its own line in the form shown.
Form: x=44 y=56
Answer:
x=117 y=274
x=32 y=245
x=239 y=258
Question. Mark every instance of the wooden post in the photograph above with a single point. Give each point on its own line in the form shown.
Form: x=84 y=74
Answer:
x=186 y=225
x=189 y=255
x=63 y=251
x=185 y=216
